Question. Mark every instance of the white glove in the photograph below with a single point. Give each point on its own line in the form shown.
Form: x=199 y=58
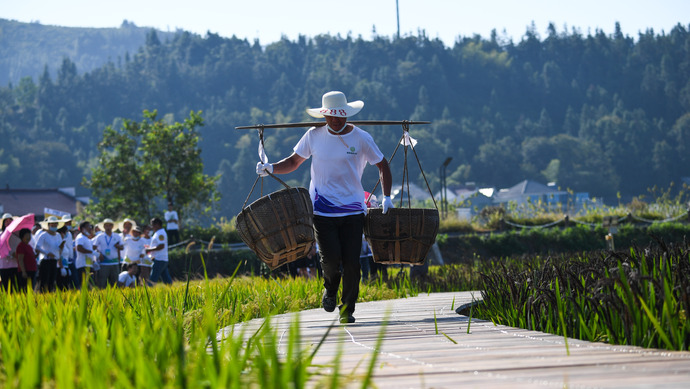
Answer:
x=262 y=169
x=63 y=272
x=387 y=204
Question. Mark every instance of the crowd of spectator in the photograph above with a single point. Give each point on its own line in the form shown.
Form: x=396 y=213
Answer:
x=54 y=254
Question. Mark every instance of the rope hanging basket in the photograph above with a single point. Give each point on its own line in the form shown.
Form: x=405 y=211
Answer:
x=402 y=235
x=278 y=227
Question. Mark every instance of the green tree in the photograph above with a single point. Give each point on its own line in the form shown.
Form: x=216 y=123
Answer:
x=143 y=163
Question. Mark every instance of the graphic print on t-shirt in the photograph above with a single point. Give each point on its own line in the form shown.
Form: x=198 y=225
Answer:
x=321 y=204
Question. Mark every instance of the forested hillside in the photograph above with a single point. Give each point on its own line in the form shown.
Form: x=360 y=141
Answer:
x=27 y=48
x=595 y=113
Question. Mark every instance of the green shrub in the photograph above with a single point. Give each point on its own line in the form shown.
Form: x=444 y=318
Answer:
x=470 y=247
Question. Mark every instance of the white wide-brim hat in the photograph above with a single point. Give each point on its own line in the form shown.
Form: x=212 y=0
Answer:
x=6 y=216
x=51 y=219
x=335 y=104
x=121 y=226
x=102 y=224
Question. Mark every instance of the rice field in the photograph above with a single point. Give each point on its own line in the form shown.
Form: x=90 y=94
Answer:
x=166 y=336
x=159 y=337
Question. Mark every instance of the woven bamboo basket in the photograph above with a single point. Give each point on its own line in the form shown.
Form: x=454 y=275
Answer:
x=401 y=236
x=278 y=227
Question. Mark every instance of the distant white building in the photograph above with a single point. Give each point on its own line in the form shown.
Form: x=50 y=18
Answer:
x=530 y=191
x=416 y=192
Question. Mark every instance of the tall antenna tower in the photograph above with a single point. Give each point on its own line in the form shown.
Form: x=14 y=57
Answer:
x=397 y=13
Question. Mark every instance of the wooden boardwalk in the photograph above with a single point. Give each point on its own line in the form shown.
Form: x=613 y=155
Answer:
x=414 y=355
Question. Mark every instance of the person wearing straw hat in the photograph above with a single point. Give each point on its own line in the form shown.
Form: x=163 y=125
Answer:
x=108 y=245
x=5 y=221
x=67 y=253
x=339 y=153
x=126 y=228
x=48 y=247
x=146 y=262
x=8 y=263
x=134 y=247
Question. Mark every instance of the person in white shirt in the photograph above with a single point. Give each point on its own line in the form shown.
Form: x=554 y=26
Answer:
x=158 y=248
x=108 y=244
x=172 y=225
x=49 y=247
x=126 y=227
x=147 y=260
x=134 y=248
x=64 y=279
x=127 y=279
x=85 y=252
x=35 y=233
x=339 y=153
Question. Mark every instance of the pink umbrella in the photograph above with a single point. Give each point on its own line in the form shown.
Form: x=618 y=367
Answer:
x=26 y=221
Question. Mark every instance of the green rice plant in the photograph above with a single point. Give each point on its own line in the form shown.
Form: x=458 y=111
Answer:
x=160 y=336
x=638 y=297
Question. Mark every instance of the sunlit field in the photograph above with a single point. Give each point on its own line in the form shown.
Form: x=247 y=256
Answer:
x=164 y=336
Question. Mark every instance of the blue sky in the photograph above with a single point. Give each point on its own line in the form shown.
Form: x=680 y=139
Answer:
x=269 y=20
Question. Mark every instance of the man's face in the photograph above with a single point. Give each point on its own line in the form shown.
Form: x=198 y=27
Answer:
x=335 y=123
x=88 y=228
x=132 y=269
x=108 y=227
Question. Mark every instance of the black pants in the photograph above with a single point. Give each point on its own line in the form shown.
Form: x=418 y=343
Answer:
x=28 y=282
x=9 y=278
x=47 y=274
x=173 y=236
x=340 y=241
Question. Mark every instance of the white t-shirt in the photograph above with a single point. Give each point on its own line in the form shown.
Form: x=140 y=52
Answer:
x=168 y=216
x=48 y=243
x=159 y=237
x=34 y=237
x=68 y=250
x=106 y=246
x=337 y=166
x=147 y=260
x=134 y=249
x=126 y=278
x=83 y=259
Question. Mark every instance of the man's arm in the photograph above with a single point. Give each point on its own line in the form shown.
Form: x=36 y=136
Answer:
x=386 y=177
x=288 y=165
x=159 y=247
x=82 y=250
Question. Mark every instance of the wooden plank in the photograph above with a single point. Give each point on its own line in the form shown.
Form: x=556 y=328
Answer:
x=413 y=354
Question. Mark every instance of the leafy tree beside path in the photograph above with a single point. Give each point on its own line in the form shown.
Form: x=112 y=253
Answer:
x=145 y=164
